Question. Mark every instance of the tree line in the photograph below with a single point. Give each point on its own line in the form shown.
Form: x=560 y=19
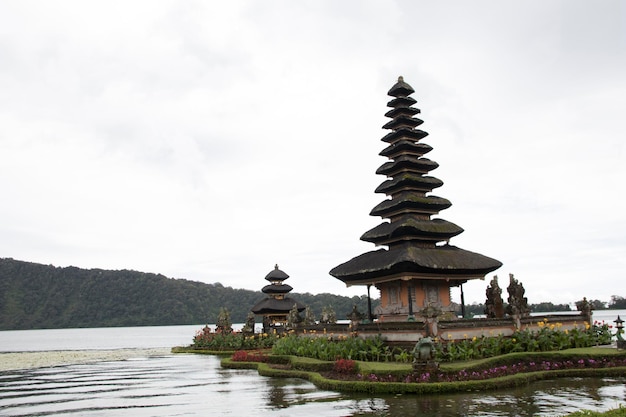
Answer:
x=36 y=296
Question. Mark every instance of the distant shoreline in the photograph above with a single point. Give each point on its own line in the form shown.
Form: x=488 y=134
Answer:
x=14 y=361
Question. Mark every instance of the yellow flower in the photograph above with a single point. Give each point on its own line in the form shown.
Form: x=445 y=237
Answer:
x=514 y=340
x=541 y=324
x=450 y=336
x=474 y=339
x=566 y=331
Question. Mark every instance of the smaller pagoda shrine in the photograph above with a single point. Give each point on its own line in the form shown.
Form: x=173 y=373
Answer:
x=275 y=308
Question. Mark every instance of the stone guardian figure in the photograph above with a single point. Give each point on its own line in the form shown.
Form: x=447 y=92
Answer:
x=494 y=306
x=518 y=304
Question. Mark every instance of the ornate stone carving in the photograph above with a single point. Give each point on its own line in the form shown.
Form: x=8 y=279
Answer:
x=518 y=304
x=494 y=306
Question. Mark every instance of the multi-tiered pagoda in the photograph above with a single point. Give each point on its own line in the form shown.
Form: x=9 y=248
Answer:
x=418 y=268
x=275 y=308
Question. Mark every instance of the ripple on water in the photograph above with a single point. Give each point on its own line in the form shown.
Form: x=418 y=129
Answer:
x=160 y=386
x=196 y=385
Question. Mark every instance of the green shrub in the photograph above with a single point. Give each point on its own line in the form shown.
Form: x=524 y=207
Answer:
x=548 y=337
x=220 y=341
x=329 y=348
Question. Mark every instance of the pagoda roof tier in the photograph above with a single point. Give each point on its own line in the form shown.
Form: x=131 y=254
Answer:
x=400 y=89
x=276 y=306
x=401 y=102
x=404 y=133
x=407 y=163
x=403 y=110
x=276 y=275
x=405 y=147
x=408 y=181
x=411 y=261
x=410 y=203
x=411 y=228
x=403 y=121
x=277 y=289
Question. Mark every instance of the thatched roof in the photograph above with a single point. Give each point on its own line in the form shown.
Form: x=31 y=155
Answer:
x=277 y=289
x=408 y=146
x=439 y=261
x=416 y=182
x=411 y=202
x=408 y=163
x=276 y=275
x=275 y=306
x=419 y=229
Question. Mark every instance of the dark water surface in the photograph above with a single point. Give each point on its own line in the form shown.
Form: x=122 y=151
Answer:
x=196 y=385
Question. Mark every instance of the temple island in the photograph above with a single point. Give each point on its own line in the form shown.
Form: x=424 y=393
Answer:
x=416 y=324
x=416 y=265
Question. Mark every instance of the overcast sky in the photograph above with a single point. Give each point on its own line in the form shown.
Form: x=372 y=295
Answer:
x=210 y=140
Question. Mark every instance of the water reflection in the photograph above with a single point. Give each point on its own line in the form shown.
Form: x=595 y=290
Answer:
x=195 y=385
x=542 y=398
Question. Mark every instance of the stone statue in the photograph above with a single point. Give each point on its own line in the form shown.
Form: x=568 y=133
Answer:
x=328 y=316
x=248 y=327
x=424 y=350
x=224 y=324
x=424 y=356
x=585 y=308
x=518 y=304
x=494 y=306
x=309 y=318
x=355 y=317
x=293 y=318
x=431 y=315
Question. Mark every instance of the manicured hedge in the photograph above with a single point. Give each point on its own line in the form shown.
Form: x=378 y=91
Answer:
x=311 y=370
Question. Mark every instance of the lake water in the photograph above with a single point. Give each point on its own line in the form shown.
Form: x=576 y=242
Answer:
x=195 y=385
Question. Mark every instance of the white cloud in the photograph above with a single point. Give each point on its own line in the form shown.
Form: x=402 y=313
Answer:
x=210 y=141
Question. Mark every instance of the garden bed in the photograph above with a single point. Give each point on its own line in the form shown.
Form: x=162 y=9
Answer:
x=499 y=372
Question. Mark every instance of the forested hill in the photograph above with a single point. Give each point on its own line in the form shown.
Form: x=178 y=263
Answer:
x=35 y=296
